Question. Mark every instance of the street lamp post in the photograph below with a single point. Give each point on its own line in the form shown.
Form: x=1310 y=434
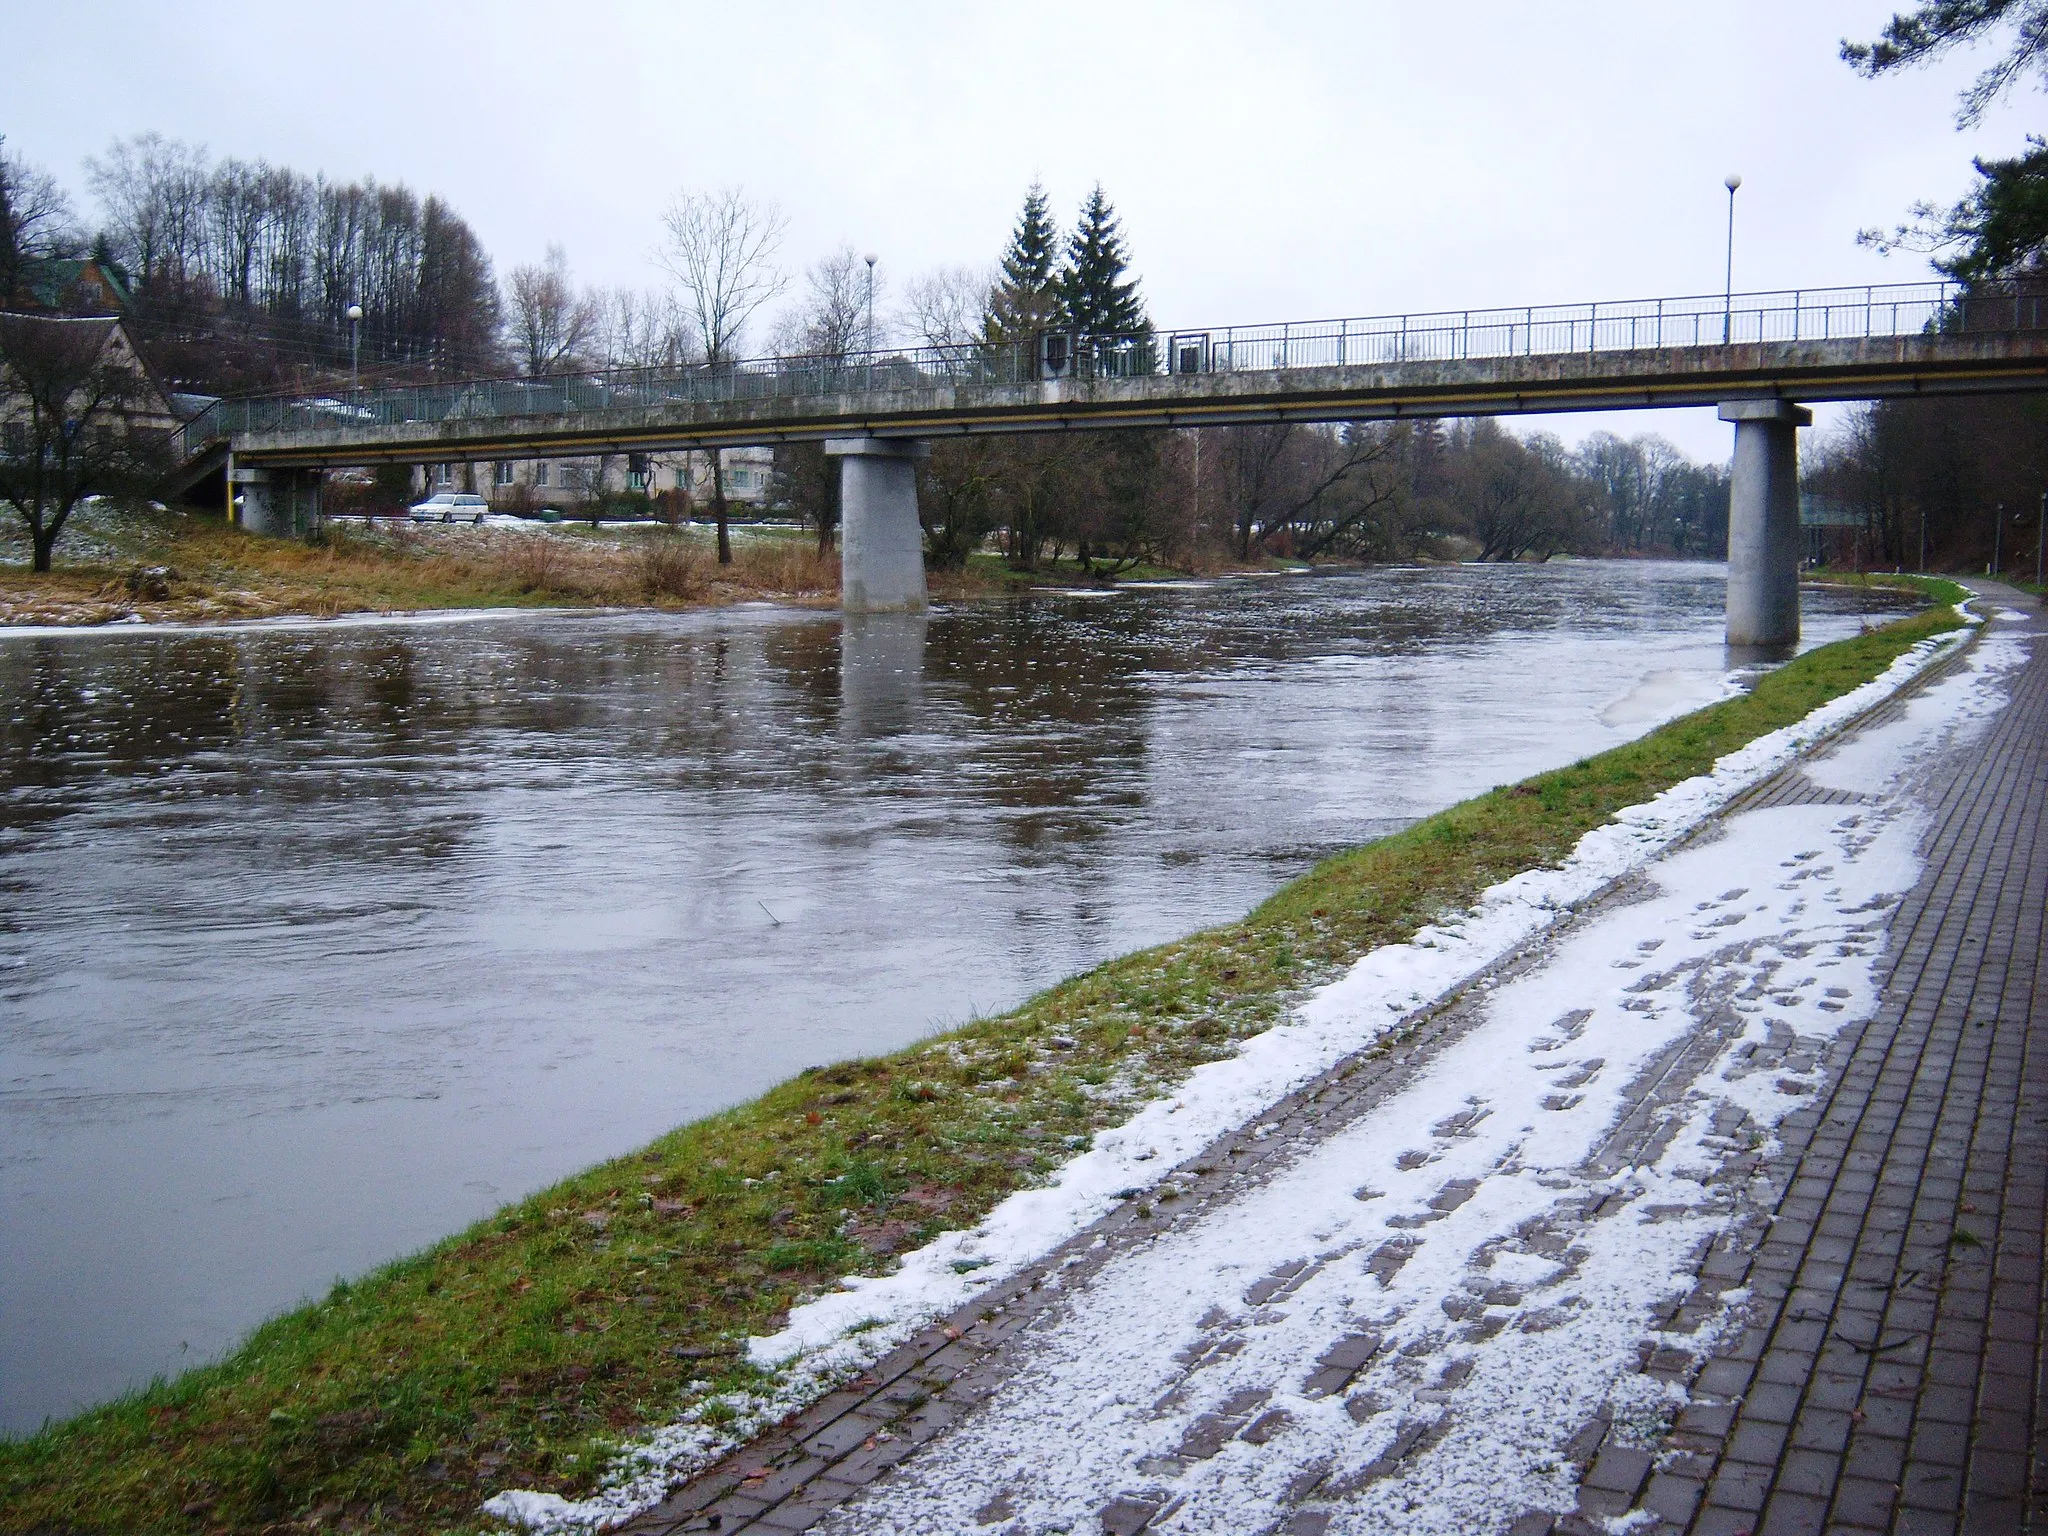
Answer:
x=1997 y=538
x=871 y=258
x=355 y=339
x=1728 y=282
x=2040 y=522
x=870 y=345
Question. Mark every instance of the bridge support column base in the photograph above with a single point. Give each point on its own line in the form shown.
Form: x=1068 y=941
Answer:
x=283 y=502
x=1763 y=522
x=881 y=543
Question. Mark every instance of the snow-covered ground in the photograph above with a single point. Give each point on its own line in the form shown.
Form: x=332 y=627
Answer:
x=1437 y=1248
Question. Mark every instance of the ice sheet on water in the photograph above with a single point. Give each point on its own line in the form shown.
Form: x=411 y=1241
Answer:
x=1667 y=694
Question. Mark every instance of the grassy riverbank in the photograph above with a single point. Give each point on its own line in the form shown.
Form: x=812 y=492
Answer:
x=519 y=1352
x=170 y=566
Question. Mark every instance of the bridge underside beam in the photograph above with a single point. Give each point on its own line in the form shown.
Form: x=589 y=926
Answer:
x=881 y=542
x=1763 y=522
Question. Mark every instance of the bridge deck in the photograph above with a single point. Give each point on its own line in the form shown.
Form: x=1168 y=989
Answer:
x=1807 y=371
x=1855 y=344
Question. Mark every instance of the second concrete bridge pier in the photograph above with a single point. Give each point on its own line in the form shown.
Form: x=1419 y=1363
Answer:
x=1763 y=522
x=881 y=542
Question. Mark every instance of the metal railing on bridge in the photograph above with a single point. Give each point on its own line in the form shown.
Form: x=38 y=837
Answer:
x=1441 y=336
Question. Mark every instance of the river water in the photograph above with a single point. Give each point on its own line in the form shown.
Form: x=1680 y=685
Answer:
x=320 y=941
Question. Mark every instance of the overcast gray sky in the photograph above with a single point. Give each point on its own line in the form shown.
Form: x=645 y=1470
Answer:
x=1270 y=161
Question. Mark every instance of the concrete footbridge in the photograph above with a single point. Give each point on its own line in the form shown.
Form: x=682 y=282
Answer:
x=1759 y=357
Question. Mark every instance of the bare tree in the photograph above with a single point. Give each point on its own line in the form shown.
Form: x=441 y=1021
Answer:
x=35 y=219
x=154 y=191
x=587 y=480
x=831 y=322
x=1517 y=498
x=637 y=328
x=720 y=247
x=238 y=206
x=948 y=306
x=1309 y=481
x=827 y=325
x=1636 y=477
x=552 y=323
x=81 y=418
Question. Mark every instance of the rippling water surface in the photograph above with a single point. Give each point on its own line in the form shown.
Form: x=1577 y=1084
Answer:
x=317 y=943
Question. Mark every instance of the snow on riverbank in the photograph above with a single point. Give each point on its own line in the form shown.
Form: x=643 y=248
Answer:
x=1445 y=1231
x=837 y=1335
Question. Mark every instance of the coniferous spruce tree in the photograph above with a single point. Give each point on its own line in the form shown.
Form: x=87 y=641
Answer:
x=1026 y=300
x=1096 y=298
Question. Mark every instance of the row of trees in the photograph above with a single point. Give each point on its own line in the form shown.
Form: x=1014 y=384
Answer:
x=1937 y=484
x=1362 y=491
x=1956 y=483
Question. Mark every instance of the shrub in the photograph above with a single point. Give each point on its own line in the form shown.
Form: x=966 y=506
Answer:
x=669 y=567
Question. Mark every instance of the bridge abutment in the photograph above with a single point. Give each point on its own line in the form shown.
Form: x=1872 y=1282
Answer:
x=881 y=543
x=1763 y=522
x=285 y=502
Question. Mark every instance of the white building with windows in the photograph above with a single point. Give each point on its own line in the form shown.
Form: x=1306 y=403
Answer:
x=748 y=475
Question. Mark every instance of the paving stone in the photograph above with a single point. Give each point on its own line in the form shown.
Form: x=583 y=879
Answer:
x=1865 y=1502
x=1126 y=1515
x=1793 y=1514
x=1621 y=1468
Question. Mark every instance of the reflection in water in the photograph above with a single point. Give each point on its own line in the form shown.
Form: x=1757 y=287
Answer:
x=319 y=942
x=881 y=672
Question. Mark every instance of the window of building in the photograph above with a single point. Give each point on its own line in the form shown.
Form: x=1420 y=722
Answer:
x=505 y=469
x=444 y=474
x=540 y=474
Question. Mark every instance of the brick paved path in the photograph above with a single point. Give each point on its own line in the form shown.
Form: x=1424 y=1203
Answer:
x=1888 y=1376
x=1891 y=1379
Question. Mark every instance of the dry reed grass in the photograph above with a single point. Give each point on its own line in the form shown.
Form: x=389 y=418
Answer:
x=396 y=567
x=663 y=568
x=669 y=568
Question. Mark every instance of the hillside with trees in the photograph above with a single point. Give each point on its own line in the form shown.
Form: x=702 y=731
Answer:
x=240 y=274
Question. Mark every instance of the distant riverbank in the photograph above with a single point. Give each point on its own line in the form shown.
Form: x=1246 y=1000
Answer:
x=170 y=566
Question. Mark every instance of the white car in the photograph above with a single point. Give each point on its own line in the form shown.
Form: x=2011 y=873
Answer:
x=327 y=405
x=450 y=507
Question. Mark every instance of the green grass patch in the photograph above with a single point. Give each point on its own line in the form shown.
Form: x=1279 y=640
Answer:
x=1936 y=589
x=521 y=1352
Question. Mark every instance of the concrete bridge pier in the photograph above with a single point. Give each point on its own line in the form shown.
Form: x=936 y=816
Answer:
x=1763 y=522
x=275 y=501
x=881 y=543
